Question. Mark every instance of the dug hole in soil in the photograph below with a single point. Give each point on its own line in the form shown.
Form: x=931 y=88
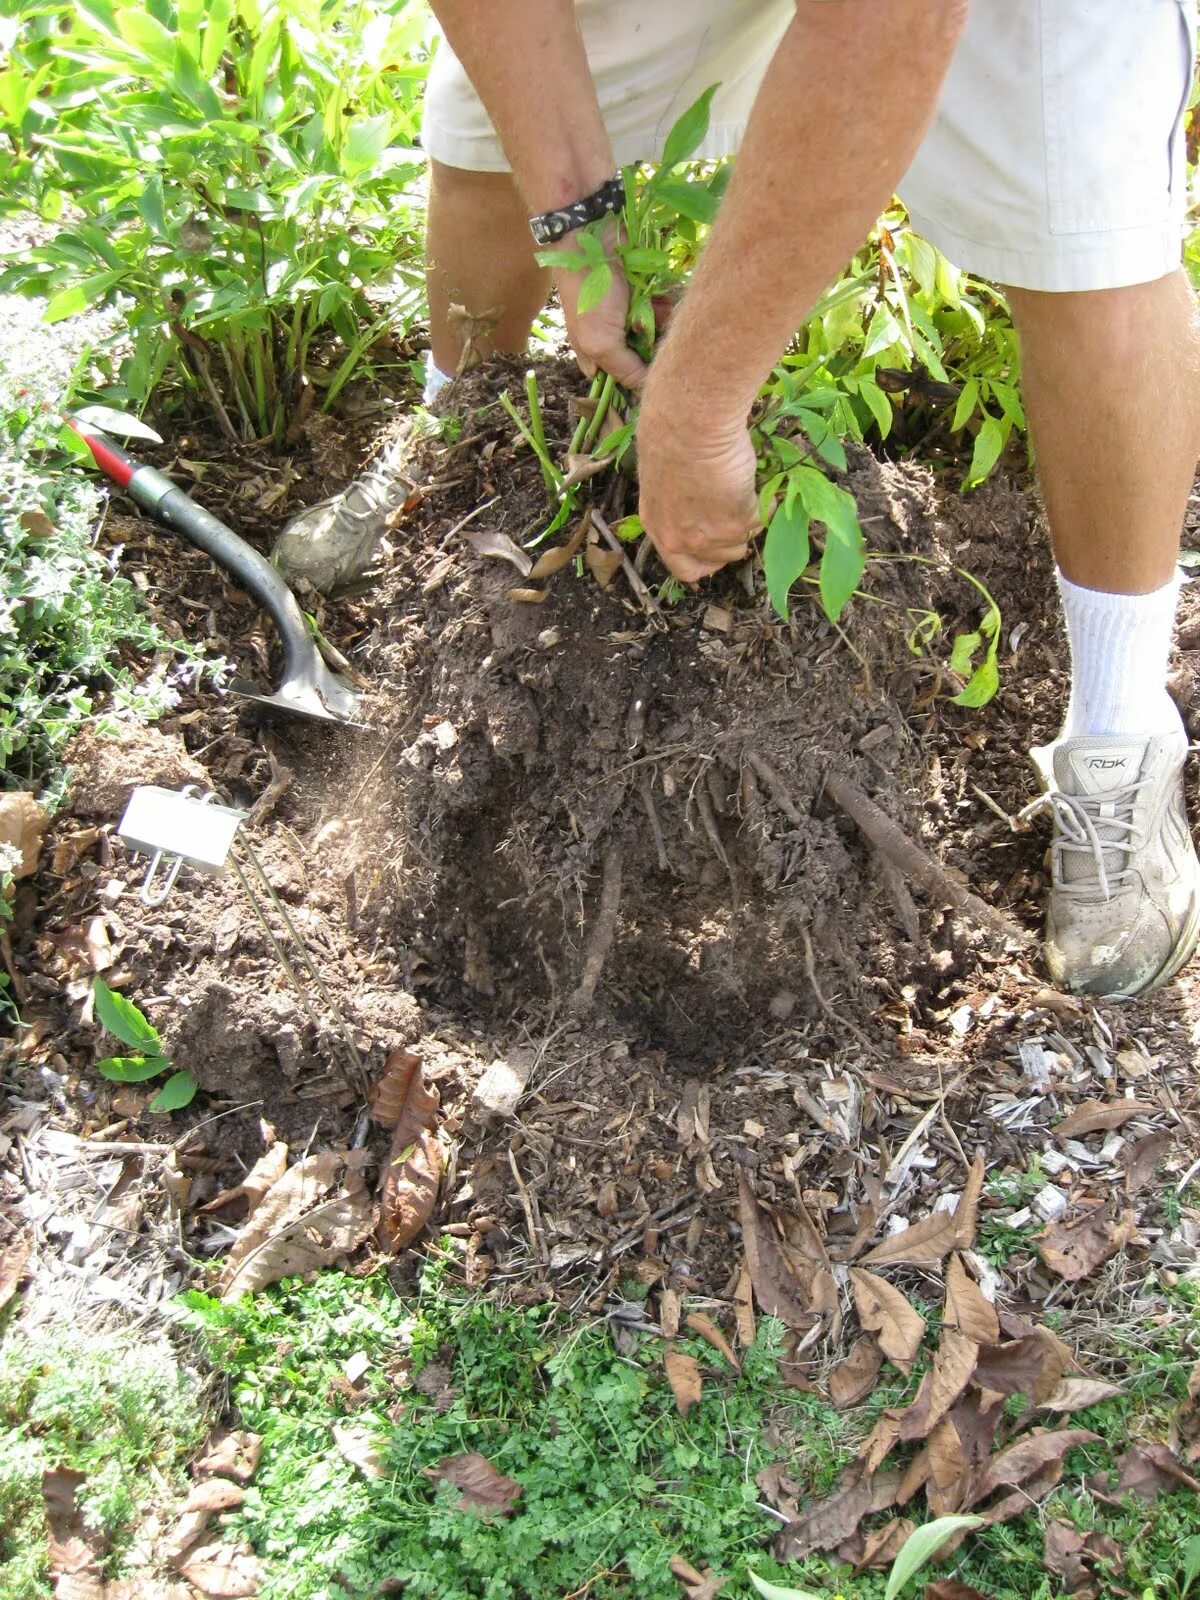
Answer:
x=594 y=842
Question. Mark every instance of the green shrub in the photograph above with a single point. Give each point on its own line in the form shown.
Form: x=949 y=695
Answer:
x=238 y=173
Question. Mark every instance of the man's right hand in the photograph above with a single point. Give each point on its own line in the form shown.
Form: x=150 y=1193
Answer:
x=598 y=336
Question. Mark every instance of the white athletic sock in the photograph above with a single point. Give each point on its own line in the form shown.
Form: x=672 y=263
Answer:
x=1119 y=649
x=435 y=379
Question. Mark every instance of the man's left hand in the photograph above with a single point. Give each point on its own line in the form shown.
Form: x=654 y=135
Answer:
x=696 y=473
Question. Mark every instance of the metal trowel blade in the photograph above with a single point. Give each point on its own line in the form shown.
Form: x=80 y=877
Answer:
x=117 y=423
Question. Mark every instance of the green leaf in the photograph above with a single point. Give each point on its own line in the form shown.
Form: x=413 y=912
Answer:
x=844 y=557
x=146 y=36
x=131 y=1069
x=921 y=1544
x=967 y=401
x=124 y=1021
x=69 y=302
x=594 y=287
x=178 y=1091
x=882 y=334
x=922 y=260
x=984 y=682
x=691 y=200
x=878 y=405
x=963 y=652
x=1191 y=1564
x=786 y=554
x=629 y=528
x=568 y=260
x=772 y=1591
x=150 y=205
x=688 y=133
x=366 y=140
x=216 y=34
x=989 y=442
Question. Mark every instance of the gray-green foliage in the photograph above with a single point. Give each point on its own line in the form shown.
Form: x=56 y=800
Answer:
x=118 y=1409
x=237 y=174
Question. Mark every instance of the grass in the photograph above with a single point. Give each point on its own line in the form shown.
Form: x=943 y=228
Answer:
x=119 y=1409
x=615 y=1482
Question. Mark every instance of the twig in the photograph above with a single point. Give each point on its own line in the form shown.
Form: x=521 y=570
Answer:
x=463 y=521
x=810 y=972
x=603 y=931
x=912 y=861
x=649 y=603
x=778 y=789
x=536 y=1243
x=646 y=790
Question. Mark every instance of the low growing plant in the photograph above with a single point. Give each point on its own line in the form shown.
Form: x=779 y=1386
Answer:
x=126 y=1022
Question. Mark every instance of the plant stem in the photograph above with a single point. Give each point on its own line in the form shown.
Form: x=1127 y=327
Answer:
x=549 y=471
x=576 y=444
x=601 y=411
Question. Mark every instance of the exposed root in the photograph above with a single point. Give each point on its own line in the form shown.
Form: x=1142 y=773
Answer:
x=912 y=861
x=646 y=790
x=827 y=1009
x=604 y=930
x=776 y=787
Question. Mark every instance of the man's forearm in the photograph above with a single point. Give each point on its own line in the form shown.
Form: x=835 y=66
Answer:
x=527 y=63
x=841 y=113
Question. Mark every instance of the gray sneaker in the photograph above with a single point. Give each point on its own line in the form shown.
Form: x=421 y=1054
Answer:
x=1124 y=912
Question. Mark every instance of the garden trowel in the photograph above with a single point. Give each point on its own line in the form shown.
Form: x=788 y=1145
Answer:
x=308 y=686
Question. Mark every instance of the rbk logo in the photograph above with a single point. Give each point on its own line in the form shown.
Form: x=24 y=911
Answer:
x=1107 y=763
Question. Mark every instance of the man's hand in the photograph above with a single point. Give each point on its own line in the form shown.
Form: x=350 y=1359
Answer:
x=697 y=485
x=598 y=336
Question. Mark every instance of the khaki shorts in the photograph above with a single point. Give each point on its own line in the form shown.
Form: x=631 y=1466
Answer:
x=1056 y=160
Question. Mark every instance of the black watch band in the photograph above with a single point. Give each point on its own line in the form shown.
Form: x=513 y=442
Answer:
x=552 y=225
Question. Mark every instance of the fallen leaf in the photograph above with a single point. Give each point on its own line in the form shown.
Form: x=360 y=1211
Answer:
x=670 y=1310
x=1074 y=1250
x=481 y=1487
x=778 y=1490
x=228 y=1576
x=12 y=1266
x=360 y=1446
x=830 y=1521
x=966 y=1307
x=884 y=1545
x=966 y=1212
x=886 y=1313
x=214 y=1494
x=774 y=1286
x=294 y=1230
x=192 y=1525
x=705 y=1328
x=953 y=1366
x=704 y=1585
x=1093 y=1115
x=75 y=1549
x=743 y=1303
x=1077 y=1394
x=529 y=597
x=878 y=1443
x=853 y=1379
x=603 y=564
x=1026 y=1459
x=683 y=1374
x=1031 y=1366
x=926 y=1243
x=1141 y=1160
x=262 y=1176
x=234 y=1455
x=562 y=555
x=487 y=542
x=951 y=1589
x=1067 y=1549
x=1152 y=1469
x=409 y=1184
x=22 y=824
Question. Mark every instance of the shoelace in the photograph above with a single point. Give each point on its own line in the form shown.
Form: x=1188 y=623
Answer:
x=1075 y=833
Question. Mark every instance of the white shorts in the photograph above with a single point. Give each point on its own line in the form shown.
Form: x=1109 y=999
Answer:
x=1056 y=160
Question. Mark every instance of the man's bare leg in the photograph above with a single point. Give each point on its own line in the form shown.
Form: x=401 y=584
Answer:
x=1112 y=387
x=479 y=255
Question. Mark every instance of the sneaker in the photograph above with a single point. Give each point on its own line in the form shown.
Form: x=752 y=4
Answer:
x=1124 y=912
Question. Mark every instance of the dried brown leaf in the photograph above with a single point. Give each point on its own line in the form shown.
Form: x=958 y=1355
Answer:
x=704 y=1585
x=966 y=1213
x=234 y=1455
x=1093 y=1115
x=360 y=1446
x=295 y=1193
x=1152 y=1469
x=528 y=597
x=952 y=1369
x=853 y=1379
x=317 y=1238
x=876 y=1446
x=552 y=561
x=75 y=1549
x=1027 y=1459
x=683 y=1374
x=1031 y=1366
x=743 y=1301
x=774 y=1286
x=886 y=1313
x=261 y=1178
x=401 y=1089
x=825 y=1525
x=884 y=1545
x=1077 y=1394
x=12 y=1266
x=1067 y=1551
x=408 y=1191
x=951 y=1589
x=603 y=564
x=670 y=1310
x=1073 y=1250
x=705 y=1328
x=481 y=1487
x=966 y=1307
x=926 y=1243
x=1141 y=1160
x=22 y=824
x=214 y=1494
x=778 y=1490
x=228 y=1576
x=491 y=542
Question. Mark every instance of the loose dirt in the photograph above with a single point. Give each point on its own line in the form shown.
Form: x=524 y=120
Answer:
x=595 y=841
